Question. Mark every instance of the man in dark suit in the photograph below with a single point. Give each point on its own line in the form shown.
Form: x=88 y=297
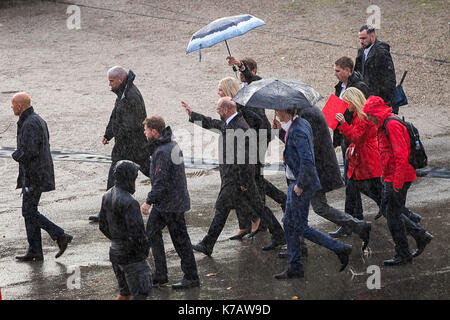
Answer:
x=125 y=124
x=36 y=175
x=238 y=187
x=374 y=63
x=170 y=200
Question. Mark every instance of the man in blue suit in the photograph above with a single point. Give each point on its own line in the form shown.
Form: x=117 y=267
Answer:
x=303 y=182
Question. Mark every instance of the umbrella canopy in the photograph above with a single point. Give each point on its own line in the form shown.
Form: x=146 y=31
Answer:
x=221 y=30
x=278 y=94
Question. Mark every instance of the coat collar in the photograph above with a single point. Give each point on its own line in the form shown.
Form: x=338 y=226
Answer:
x=25 y=115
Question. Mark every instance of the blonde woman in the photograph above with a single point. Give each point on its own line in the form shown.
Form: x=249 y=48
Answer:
x=364 y=169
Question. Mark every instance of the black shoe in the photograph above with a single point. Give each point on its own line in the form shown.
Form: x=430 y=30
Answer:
x=341 y=232
x=426 y=239
x=239 y=236
x=159 y=281
x=94 y=218
x=396 y=261
x=63 y=241
x=288 y=274
x=274 y=245
x=414 y=217
x=31 y=257
x=252 y=234
x=365 y=235
x=185 y=284
x=200 y=247
x=344 y=256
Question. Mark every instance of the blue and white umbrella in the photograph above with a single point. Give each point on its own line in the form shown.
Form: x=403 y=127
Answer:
x=221 y=30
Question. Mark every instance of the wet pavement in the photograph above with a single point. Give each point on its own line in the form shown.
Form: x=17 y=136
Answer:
x=237 y=269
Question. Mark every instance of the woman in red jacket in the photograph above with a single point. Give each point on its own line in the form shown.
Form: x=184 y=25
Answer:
x=364 y=169
x=367 y=170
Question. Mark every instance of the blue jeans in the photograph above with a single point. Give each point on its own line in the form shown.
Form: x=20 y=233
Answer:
x=295 y=224
x=134 y=279
x=34 y=221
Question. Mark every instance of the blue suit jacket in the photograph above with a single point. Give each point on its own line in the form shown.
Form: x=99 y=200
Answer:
x=299 y=156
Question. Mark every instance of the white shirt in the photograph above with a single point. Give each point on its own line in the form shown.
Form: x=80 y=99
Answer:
x=366 y=52
x=343 y=86
x=231 y=118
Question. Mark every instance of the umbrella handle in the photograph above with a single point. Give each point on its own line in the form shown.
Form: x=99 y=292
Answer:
x=403 y=77
x=229 y=54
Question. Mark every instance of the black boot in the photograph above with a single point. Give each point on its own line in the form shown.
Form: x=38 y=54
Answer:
x=396 y=261
x=344 y=256
x=341 y=232
x=422 y=243
x=30 y=256
x=62 y=242
x=289 y=274
x=200 y=247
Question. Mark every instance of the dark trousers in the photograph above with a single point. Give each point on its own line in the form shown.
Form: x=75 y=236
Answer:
x=276 y=194
x=34 y=221
x=231 y=197
x=356 y=209
x=321 y=207
x=373 y=188
x=176 y=224
x=134 y=279
x=295 y=222
x=395 y=202
x=268 y=219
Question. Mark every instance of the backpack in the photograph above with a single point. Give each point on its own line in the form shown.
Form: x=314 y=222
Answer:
x=418 y=158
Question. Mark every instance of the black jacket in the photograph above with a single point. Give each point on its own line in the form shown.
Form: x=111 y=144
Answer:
x=379 y=72
x=355 y=80
x=33 y=153
x=326 y=162
x=249 y=76
x=239 y=174
x=125 y=124
x=120 y=218
x=167 y=174
x=256 y=119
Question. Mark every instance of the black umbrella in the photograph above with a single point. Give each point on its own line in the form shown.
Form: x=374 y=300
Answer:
x=272 y=94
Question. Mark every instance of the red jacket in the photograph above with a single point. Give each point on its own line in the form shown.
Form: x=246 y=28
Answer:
x=395 y=151
x=365 y=161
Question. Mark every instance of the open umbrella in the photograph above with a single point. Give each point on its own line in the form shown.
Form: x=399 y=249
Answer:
x=278 y=94
x=221 y=30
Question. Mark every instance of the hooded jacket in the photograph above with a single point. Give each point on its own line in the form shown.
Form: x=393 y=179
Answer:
x=365 y=160
x=33 y=153
x=379 y=71
x=167 y=174
x=125 y=124
x=395 y=150
x=120 y=218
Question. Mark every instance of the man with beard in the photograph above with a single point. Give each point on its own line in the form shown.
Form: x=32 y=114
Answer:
x=170 y=199
x=125 y=124
x=374 y=63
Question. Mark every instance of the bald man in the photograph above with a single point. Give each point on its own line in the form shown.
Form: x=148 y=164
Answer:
x=36 y=175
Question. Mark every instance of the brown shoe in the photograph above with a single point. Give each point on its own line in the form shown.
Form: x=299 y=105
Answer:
x=63 y=241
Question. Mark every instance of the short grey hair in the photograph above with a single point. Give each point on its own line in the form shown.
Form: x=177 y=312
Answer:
x=118 y=72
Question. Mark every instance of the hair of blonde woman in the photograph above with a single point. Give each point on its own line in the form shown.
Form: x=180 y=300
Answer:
x=356 y=97
x=229 y=86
